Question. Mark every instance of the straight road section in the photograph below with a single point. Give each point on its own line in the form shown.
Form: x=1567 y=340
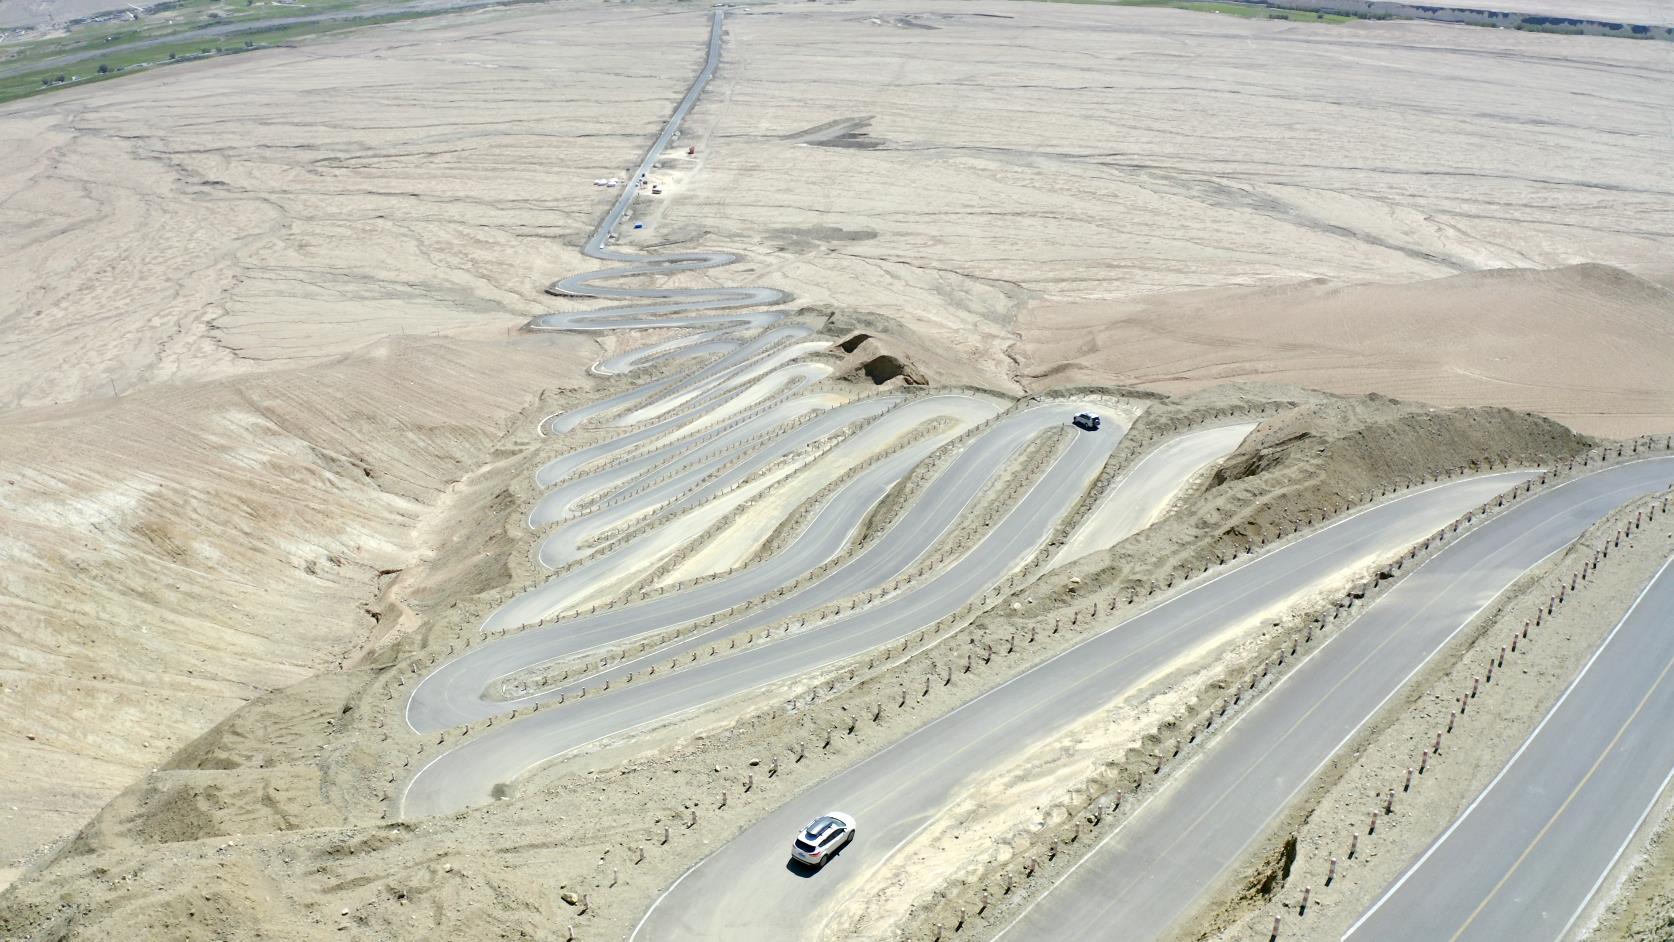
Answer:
x=1181 y=847
x=1532 y=850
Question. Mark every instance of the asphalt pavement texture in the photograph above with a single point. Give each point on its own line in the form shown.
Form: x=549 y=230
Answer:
x=1530 y=853
x=1180 y=848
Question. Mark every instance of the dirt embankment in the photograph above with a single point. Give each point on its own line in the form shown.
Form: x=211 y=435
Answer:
x=878 y=349
x=1318 y=456
x=174 y=553
x=276 y=814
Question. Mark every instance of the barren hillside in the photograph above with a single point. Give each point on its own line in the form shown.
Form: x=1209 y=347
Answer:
x=224 y=298
x=1589 y=345
x=279 y=209
x=176 y=552
x=269 y=424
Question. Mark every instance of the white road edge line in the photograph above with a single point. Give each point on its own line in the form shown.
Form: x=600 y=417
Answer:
x=1394 y=887
x=1292 y=673
x=1072 y=649
x=673 y=716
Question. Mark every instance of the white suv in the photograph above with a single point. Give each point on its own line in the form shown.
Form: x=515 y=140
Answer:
x=823 y=838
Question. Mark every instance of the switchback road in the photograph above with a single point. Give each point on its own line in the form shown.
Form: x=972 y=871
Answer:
x=745 y=892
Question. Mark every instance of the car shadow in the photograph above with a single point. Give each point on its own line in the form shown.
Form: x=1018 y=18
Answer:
x=798 y=868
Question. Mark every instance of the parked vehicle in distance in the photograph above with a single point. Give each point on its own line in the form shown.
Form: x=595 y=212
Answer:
x=1087 y=420
x=823 y=838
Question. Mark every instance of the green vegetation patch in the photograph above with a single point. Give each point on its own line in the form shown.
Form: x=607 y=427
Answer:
x=112 y=45
x=1256 y=11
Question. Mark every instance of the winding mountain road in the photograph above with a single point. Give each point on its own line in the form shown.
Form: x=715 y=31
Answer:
x=468 y=773
x=733 y=400
x=745 y=892
x=678 y=468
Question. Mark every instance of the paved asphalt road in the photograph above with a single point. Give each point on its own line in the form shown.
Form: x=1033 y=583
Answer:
x=745 y=891
x=682 y=307
x=774 y=362
x=456 y=691
x=716 y=374
x=671 y=453
x=675 y=348
x=696 y=477
x=467 y=774
x=1179 y=848
x=825 y=536
x=459 y=690
x=1530 y=852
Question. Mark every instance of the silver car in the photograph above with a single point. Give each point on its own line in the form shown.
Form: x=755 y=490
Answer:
x=823 y=838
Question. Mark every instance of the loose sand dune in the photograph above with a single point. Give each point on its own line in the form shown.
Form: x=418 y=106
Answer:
x=1589 y=345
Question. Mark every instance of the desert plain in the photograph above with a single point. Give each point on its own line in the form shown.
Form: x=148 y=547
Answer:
x=274 y=423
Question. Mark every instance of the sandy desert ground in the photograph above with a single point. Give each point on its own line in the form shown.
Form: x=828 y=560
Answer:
x=269 y=419
x=1487 y=336
x=1114 y=160
x=275 y=213
x=205 y=301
